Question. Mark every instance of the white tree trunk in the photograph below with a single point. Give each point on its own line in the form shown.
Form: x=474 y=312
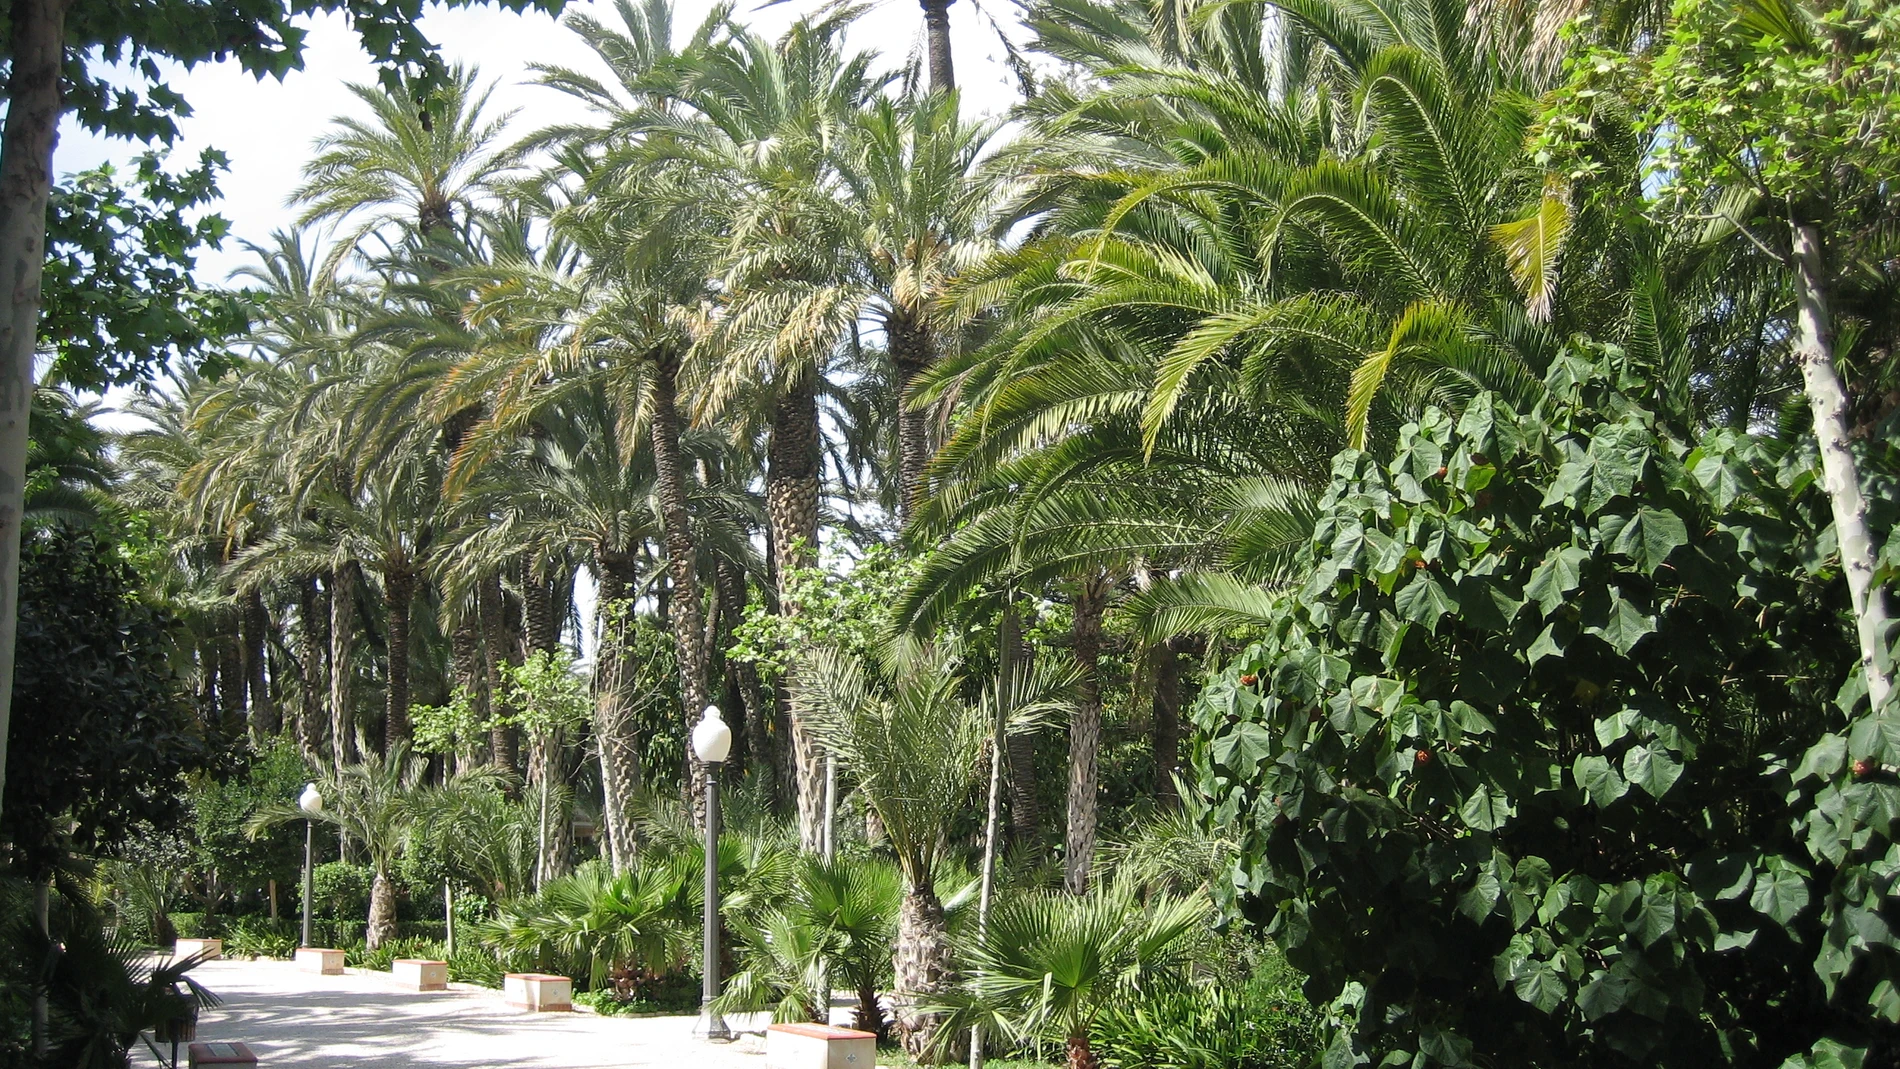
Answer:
x=1827 y=399
x=38 y=35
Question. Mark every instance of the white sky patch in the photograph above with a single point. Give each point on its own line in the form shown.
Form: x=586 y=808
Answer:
x=266 y=127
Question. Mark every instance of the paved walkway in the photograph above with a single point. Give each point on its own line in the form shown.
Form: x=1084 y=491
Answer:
x=361 y=1019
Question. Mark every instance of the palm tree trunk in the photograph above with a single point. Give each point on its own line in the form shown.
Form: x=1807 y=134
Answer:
x=943 y=76
x=314 y=618
x=465 y=651
x=547 y=764
x=1085 y=733
x=921 y=967
x=614 y=730
x=232 y=680
x=254 y=627
x=1019 y=753
x=399 y=590
x=342 y=673
x=1827 y=400
x=38 y=40
x=686 y=615
x=791 y=504
x=1167 y=720
x=382 y=911
x=1081 y=1054
x=911 y=356
x=498 y=651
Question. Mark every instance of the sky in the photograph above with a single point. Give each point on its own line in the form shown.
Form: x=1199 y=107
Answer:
x=266 y=127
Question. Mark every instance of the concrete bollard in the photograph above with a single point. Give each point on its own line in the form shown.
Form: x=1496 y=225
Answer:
x=538 y=992
x=321 y=960
x=421 y=974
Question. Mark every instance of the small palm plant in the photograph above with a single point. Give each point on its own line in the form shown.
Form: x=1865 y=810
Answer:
x=1049 y=963
x=837 y=924
x=642 y=920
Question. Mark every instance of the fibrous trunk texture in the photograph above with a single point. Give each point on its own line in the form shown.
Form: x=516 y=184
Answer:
x=255 y=628
x=614 y=729
x=1081 y=1055
x=499 y=652
x=791 y=502
x=686 y=616
x=342 y=628
x=382 y=911
x=911 y=356
x=1167 y=720
x=314 y=614
x=1827 y=400
x=37 y=36
x=399 y=590
x=465 y=651
x=547 y=756
x=922 y=969
x=1085 y=733
x=943 y=77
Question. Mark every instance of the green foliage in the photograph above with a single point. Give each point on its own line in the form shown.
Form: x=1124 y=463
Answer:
x=1050 y=964
x=835 y=926
x=672 y=994
x=1513 y=778
x=454 y=728
x=101 y=728
x=220 y=806
x=118 y=300
x=475 y=965
x=545 y=695
x=261 y=937
x=383 y=957
x=339 y=890
x=602 y=928
x=1261 y=1023
x=847 y=605
x=189 y=925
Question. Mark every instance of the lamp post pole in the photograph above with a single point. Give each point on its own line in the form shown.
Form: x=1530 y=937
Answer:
x=712 y=740
x=311 y=802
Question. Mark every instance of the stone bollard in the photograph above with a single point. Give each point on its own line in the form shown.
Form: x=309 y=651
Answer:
x=538 y=992
x=212 y=948
x=220 y=1054
x=321 y=960
x=420 y=974
x=818 y=1046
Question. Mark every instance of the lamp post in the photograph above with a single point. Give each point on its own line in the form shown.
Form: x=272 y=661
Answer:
x=712 y=740
x=311 y=802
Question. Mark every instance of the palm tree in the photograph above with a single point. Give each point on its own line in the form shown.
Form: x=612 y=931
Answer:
x=404 y=171
x=378 y=802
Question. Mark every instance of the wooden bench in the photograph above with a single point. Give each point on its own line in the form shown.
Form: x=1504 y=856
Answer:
x=538 y=992
x=211 y=948
x=818 y=1046
x=421 y=974
x=220 y=1054
x=323 y=961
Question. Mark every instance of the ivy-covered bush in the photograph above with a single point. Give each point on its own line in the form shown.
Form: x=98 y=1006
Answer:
x=1546 y=764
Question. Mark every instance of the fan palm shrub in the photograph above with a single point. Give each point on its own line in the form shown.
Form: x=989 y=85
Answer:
x=836 y=926
x=610 y=927
x=1049 y=964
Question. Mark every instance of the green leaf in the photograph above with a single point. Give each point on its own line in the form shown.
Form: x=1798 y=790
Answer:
x=1242 y=747
x=1649 y=537
x=1625 y=626
x=1781 y=892
x=1605 y=994
x=1538 y=984
x=1556 y=577
x=1485 y=811
x=1425 y=600
x=1599 y=780
x=1652 y=767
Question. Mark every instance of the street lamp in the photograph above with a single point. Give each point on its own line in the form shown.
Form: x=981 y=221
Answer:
x=311 y=802
x=712 y=740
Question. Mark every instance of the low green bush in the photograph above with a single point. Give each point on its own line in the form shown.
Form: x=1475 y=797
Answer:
x=189 y=925
x=340 y=890
x=474 y=965
x=434 y=931
x=339 y=934
x=673 y=993
x=358 y=956
x=1209 y=1026
x=261 y=937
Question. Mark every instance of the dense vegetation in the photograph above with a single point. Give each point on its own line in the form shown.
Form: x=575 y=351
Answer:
x=1393 y=500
